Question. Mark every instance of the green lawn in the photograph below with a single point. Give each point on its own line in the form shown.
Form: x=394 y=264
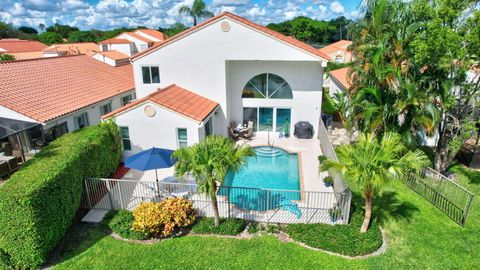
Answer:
x=419 y=236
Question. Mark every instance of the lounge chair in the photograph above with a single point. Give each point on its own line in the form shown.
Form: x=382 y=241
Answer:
x=232 y=134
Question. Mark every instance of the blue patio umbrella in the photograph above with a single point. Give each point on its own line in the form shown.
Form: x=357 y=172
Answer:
x=151 y=159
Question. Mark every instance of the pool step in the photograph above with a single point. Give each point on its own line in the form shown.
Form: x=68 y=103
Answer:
x=268 y=152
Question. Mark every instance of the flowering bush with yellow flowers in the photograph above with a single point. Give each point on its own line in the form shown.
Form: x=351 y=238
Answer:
x=162 y=218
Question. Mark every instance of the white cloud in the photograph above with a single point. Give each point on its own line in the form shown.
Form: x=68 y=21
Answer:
x=17 y=10
x=256 y=11
x=217 y=3
x=337 y=7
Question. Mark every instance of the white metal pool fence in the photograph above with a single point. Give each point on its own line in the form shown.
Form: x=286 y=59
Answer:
x=261 y=205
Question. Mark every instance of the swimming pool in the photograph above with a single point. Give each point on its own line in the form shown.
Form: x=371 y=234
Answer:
x=265 y=182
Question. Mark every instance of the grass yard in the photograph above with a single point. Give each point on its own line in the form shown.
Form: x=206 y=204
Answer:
x=419 y=236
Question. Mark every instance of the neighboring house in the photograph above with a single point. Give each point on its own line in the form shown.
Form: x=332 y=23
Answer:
x=63 y=94
x=22 y=49
x=339 y=81
x=70 y=49
x=131 y=43
x=225 y=70
x=113 y=58
x=338 y=51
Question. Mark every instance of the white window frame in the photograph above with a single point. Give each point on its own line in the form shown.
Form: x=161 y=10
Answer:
x=178 y=139
x=102 y=112
x=104 y=46
x=122 y=138
x=150 y=71
x=84 y=116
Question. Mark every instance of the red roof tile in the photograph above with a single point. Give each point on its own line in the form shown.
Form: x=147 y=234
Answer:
x=177 y=99
x=9 y=45
x=289 y=40
x=47 y=88
x=341 y=45
x=72 y=48
x=341 y=75
x=115 y=55
x=137 y=36
x=153 y=33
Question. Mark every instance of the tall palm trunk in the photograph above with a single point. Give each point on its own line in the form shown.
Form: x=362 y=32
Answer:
x=368 y=211
x=194 y=20
x=216 y=216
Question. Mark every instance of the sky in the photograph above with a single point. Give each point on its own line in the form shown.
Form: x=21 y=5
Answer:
x=109 y=14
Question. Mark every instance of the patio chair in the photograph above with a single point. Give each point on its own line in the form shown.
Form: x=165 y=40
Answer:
x=234 y=136
x=250 y=125
x=248 y=135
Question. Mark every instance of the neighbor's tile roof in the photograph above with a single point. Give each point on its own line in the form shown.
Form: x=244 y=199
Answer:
x=9 y=45
x=115 y=41
x=177 y=99
x=115 y=55
x=341 y=45
x=341 y=75
x=137 y=36
x=153 y=33
x=73 y=48
x=290 y=40
x=50 y=87
x=27 y=55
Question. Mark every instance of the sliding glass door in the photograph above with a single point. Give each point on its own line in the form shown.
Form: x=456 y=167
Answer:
x=250 y=115
x=283 y=120
x=265 y=119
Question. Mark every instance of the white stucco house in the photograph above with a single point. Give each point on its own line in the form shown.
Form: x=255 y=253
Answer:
x=131 y=43
x=223 y=71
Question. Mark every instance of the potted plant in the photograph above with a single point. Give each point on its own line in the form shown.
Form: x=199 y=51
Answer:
x=328 y=181
x=334 y=213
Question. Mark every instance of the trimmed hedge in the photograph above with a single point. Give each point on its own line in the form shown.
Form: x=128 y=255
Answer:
x=342 y=239
x=39 y=202
x=120 y=222
x=228 y=226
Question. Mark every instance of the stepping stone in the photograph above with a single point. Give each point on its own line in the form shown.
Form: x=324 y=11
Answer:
x=95 y=216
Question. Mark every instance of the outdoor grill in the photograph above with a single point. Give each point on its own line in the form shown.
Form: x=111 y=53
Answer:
x=303 y=130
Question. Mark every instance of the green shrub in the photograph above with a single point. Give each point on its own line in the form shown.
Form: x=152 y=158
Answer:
x=162 y=218
x=253 y=227
x=228 y=226
x=40 y=200
x=120 y=222
x=343 y=239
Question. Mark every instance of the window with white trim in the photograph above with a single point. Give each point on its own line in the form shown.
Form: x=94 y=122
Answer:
x=125 y=139
x=126 y=99
x=104 y=47
x=106 y=108
x=150 y=74
x=182 y=140
x=81 y=120
x=267 y=85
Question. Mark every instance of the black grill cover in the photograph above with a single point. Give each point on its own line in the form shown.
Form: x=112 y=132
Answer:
x=303 y=130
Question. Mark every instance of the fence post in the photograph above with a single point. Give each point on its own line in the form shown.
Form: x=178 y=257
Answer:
x=109 y=195
x=89 y=203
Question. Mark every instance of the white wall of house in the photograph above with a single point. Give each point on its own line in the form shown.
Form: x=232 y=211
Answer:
x=335 y=87
x=305 y=80
x=128 y=48
x=93 y=113
x=198 y=62
x=159 y=130
x=105 y=59
x=137 y=44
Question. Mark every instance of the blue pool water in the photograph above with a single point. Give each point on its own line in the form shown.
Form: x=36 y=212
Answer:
x=272 y=168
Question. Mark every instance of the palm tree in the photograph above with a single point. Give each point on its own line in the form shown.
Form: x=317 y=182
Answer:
x=385 y=95
x=371 y=162
x=197 y=11
x=41 y=26
x=208 y=162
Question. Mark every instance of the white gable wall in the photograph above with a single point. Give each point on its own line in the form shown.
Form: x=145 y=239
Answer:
x=159 y=130
x=198 y=61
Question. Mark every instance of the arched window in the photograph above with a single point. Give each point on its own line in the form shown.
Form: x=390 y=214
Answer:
x=267 y=85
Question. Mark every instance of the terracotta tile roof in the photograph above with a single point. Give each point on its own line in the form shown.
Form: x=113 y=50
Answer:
x=8 y=45
x=177 y=99
x=27 y=55
x=289 y=40
x=50 y=87
x=115 y=41
x=340 y=45
x=115 y=55
x=153 y=33
x=72 y=48
x=137 y=36
x=341 y=75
